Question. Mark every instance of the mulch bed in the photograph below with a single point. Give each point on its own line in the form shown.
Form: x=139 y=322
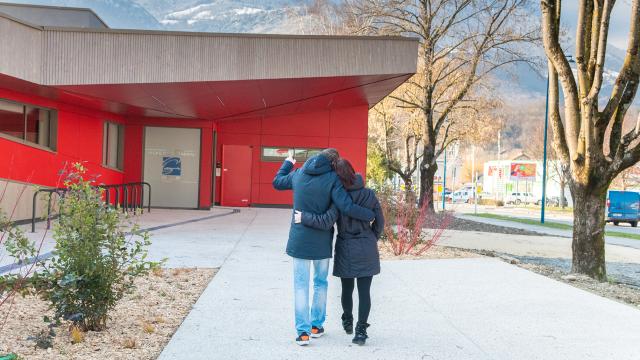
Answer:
x=435 y=252
x=139 y=328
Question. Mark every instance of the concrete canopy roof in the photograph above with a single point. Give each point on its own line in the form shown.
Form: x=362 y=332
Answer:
x=146 y=69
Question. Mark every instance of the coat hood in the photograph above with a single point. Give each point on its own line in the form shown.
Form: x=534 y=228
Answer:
x=317 y=165
x=358 y=183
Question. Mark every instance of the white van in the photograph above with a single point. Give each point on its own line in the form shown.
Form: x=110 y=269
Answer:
x=463 y=195
x=520 y=198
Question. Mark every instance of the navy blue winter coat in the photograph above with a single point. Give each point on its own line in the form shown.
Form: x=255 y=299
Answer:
x=315 y=187
x=357 y=241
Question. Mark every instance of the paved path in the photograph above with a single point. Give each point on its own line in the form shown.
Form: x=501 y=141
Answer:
x=431 y=309
x=547 y=230
x=182 y=237
x=534 y=214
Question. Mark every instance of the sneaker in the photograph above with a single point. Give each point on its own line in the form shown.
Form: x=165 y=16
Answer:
x=303 y=339
x=316 y=332
x=347 y=324
x=361 y=334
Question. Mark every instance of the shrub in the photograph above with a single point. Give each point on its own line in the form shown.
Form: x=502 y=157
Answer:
x=410 y=229
x=16 y=247
x=95 y=261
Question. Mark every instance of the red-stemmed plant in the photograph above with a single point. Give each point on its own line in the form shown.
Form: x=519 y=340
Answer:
x=409 y=228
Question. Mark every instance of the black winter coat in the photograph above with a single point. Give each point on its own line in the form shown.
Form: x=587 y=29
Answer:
x=356 y=252
x=315 y=188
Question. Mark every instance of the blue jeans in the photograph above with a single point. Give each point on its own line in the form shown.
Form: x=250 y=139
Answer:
x=305 y=319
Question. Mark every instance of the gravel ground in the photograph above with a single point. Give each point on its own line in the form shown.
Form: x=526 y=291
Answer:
x=619 y=292
x=622 y=273
x=139 y=328
x=435 y=252
x=468 y=225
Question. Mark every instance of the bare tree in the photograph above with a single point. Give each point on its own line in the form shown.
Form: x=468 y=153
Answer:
x=462 y=42
x=590 y=138
x=398 y=133
x=628 y=179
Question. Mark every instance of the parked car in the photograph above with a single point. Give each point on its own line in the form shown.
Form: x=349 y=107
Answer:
x=551 y=201
x=520 y=198
x=623 y=206
x=463 y=195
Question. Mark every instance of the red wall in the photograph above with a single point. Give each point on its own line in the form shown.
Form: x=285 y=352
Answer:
x=345 y=129
x=79 y=140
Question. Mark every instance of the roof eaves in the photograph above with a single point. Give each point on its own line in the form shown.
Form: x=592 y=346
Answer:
x=20 y=21
x=53 y=7
x=215 y=34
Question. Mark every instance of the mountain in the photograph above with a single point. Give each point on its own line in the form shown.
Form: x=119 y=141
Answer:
x=288 y=17
x=253 y=16
x=122 y=14
x=533 y=83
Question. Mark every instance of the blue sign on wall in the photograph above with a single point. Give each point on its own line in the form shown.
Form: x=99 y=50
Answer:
x=171 y=166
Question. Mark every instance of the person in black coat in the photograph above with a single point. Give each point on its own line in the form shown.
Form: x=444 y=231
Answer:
x=356 y=248
x=315 y=187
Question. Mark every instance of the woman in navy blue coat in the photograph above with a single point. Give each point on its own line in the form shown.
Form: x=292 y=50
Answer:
x=356 y=249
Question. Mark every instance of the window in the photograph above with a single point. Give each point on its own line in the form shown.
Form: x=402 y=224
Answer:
x=278 y=154
x=30 y=124
x=113 y=145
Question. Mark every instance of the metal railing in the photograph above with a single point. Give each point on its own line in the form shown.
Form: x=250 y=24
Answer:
x=127 y=196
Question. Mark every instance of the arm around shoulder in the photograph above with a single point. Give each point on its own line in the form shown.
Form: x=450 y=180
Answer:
x=323 y=221
x=345 y=204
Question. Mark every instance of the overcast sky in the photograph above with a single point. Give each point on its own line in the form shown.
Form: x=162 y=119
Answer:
x=619 y=25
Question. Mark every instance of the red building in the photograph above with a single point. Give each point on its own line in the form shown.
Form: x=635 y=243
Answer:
x=204 y=118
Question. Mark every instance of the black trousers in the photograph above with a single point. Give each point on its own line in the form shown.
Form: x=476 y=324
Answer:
x=364 y=297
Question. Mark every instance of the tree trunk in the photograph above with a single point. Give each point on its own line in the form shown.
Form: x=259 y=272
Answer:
x=408 y=188
x=588 y=232
x=426 y=187
x=563 y=199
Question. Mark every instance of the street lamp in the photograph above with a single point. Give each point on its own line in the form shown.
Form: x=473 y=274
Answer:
x=544 y=156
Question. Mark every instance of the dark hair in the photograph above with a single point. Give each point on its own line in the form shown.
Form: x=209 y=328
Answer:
x=331 y=154
x=345 y=172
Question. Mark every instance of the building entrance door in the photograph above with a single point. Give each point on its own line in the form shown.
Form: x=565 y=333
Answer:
x=236 y=175
x=172 y=166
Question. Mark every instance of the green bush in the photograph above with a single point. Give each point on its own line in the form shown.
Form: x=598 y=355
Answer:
x=95 y=260
x=14 y=245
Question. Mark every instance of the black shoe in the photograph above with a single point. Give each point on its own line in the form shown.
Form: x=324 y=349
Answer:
x=361 y=334
x=347 y=324
x=316 y=332
x=303 y=339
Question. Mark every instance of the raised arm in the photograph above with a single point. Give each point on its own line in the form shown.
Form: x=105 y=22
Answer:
x=378 y=222
x=284 y=176
x=323 y=221
x=343 y=201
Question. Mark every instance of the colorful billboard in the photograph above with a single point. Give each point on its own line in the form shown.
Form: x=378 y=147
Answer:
x=520 y=171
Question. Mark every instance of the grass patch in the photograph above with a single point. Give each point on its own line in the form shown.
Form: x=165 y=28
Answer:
x=559 y=209
x=552 y=225
x=623 y=235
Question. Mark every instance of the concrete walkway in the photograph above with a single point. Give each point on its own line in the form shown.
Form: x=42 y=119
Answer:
x=185 y=238
x=551 y=231
x=430 y=309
